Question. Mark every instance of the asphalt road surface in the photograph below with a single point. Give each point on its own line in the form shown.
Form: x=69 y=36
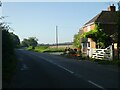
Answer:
x=42 y=70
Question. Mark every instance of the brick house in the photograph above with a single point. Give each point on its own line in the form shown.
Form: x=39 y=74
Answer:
x=107 y=20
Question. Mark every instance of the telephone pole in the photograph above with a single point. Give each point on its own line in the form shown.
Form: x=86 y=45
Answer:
x=57 y=36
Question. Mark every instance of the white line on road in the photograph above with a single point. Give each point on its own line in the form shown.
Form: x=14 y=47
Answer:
x=65 y=68
x=56 y=64
x=70 y=72
x=96 y=85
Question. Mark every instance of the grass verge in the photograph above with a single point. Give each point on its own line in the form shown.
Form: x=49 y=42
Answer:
x=49 y=50
x=45 y=49
x=103 y=62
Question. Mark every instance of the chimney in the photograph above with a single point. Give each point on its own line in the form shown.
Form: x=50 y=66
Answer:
x=112 y=8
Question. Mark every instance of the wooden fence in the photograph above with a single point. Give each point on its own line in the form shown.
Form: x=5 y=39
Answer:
x=102 y=53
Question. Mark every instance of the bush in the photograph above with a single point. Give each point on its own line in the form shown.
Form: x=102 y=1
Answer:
x=9 y=61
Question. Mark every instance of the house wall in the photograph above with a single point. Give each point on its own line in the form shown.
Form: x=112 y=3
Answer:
x=92 y=43
x=85 y=49
x=115 y=49
x=108 y=28
x=86 y=28
x=92 y=26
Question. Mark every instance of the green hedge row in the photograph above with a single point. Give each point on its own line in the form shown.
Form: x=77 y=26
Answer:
x=9 y=60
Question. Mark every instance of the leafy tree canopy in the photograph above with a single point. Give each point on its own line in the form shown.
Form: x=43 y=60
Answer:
x=9 y=60
x=31 y=41
x=16 y=40
x=76 y=41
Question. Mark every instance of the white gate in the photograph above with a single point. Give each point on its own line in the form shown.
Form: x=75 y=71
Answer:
x=102 y=53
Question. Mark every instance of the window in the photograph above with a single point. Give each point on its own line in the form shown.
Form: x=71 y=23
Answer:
x=84 y=45
x=84 y=40
x=88 y=44
x=88 y=28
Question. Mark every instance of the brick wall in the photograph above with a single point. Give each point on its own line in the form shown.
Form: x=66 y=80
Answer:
x=92 y=43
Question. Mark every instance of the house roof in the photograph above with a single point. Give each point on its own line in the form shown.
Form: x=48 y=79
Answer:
x=105 y=17
x=92 y=20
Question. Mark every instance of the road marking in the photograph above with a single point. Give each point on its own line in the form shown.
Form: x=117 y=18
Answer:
x=56 y=64
x=96 y=85
x=79 y=76
x=70 y=72
x=65 y=68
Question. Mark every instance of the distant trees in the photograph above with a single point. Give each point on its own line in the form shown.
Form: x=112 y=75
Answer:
x=31 y=41
x=24 y=43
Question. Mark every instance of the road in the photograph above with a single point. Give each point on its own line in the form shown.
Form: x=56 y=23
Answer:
x=42 y=70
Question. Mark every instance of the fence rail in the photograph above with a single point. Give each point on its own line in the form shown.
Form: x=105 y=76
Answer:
x=102 y=53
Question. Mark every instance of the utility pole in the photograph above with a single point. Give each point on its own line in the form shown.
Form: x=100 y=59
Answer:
x=57 y=36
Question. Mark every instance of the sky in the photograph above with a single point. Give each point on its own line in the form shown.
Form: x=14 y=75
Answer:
x=39 y=19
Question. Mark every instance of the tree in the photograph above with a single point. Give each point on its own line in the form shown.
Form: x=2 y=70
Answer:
x=76 y=41
x=31 y=41
x=9 y=61
x=7 y=45
x=24 y=43
x=15 y=39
